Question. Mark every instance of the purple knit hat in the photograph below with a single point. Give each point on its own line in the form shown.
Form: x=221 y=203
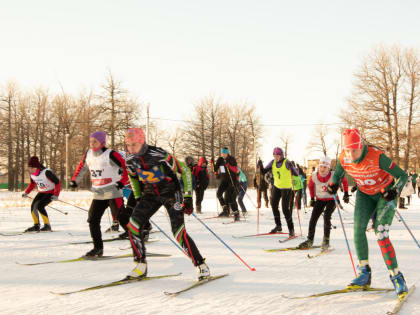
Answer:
x=278 y=151
x=100 y=136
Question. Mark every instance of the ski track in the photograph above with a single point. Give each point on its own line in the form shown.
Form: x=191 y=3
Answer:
x=26 y=289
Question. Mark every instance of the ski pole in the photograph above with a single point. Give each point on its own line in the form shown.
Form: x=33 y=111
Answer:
x=227 y=246
x=67 y=203
x=168 y=237
x=344 y=230
x=63 y=212
x=258 y=220
x=405 y=224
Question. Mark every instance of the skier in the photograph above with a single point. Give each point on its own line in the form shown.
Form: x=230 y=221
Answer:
x=189 y=161
x=227 y=168
x=152 y=172
x=201 y=182
x=48 y=186
x=297 y=187
x=418 y=186
x=324 y=202
x=414 y=180
x=242 y=190
x=282 y=171
x=303 y=178
x=374 y=174
x=261 y=185
x=108 y=176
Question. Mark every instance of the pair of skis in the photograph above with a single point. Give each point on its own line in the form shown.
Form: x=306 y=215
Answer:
x=21 y=233
x=258 y=235
x=85 y=258
x=397 y=307
x=127 y=280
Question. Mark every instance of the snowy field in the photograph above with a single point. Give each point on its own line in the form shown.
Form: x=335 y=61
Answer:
x=26 y=289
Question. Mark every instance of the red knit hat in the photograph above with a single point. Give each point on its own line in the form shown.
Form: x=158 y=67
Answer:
x=136 y=135
x=34 y=162
x=352 y=139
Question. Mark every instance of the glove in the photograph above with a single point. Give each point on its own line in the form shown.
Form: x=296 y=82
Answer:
x=346 y=197
x=332 y=188
x=312 y=203
x=390 y=194
x=119 y=185
x=54 y=197
x=353 y=189
x=187 y=206
x=24 y=195
x=73 y=184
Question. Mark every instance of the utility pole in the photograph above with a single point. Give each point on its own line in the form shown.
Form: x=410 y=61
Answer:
x=67 y=161
x=148 y=123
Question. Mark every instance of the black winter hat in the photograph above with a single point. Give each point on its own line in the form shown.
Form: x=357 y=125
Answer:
x=34 y=162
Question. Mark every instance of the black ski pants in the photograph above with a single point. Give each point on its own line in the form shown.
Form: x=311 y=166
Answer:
x=284 y=195
x=147 y=205
x=321 y=206
x=96 y=211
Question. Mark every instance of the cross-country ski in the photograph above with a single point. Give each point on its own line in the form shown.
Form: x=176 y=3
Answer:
x=267 y=151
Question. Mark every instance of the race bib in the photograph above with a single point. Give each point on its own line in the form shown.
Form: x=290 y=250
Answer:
x=152 y=176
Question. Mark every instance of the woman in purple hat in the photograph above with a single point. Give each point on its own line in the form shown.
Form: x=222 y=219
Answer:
x=282 y=170
x=108 y=176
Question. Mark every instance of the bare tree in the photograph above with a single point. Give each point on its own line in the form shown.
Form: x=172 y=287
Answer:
x=385 y=98
x=285 y=139
x=318 y=142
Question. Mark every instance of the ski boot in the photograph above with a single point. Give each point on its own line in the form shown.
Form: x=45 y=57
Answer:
x=399 y=284
x=292 y=233
x=115 y=227
x=95 y=253
x=123 y=235
x=236 y=216
x=46 y=228
x=225 y=212
x=306 y=244
x=325 y=243
x=203 y=271
x=34 y=228
x=276 y=229
x=140 y=271
x=363 y=279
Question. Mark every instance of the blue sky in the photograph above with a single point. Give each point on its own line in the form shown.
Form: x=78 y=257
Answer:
x=293 y=60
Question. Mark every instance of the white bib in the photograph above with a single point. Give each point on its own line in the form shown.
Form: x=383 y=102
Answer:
x=320 y=187
x=102 y=173
x=42 y=182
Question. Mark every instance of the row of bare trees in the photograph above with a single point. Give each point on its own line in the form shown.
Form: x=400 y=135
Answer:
x=36 y=122
x=215 y=124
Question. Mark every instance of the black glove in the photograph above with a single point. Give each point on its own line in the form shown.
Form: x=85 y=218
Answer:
x=353 y=189
x=346 y=197
x=73 y=184
x=390 y=194
x=332 y=188
x=312 y=203
x=119 y=185
x=187 y=205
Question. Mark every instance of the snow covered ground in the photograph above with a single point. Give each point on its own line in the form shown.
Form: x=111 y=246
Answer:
x=26 y=289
